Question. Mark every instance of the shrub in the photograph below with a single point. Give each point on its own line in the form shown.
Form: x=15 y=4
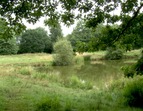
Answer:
x=8 y=47
x=87 y=57
x=48 y=104
x=81 y=47
x=113 y=54
x=129 y=71
x=79 y=60
x=139 y=66
x=134 y=69
x=63 y=53
x=75 y=82
x=133 y=92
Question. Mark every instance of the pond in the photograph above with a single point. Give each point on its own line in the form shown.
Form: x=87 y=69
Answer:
x=100 y=73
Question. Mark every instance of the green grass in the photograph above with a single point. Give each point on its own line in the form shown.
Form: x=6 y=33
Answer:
x=23 y=94
x=95 y=55
x=25 y=59
x=133 y=54
x=30 y=87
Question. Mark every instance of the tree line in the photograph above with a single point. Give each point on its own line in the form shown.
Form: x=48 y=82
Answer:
x=83 y=39
x=29 y=41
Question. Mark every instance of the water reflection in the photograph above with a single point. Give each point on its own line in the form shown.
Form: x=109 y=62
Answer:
x=98 y=72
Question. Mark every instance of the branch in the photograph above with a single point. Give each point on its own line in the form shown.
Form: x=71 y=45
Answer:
x=128 y=24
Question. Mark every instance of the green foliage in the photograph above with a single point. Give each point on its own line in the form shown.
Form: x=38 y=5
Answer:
x=79 y=60
x=91 y=11
x=26 y=70
x=80 y=37
x=66 y=15
x=37 y=94
x=75 y=82
x=87 y=57
x=135 y=69
x=139 y=65
x=113 y=54
x=129 y=71
x=133 y=92
x=127 y=42
x=81 y=47
x=63 y=53
x=39 y=75
x=55 y=33
x=35 y=40
x=85 y=39
x=8 y=32
x=8 y=47
x=49 y=104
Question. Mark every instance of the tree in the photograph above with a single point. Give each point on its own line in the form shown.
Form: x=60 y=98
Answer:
x=80 y=37
x=55 y=33
x=93 y=11
x=8 y=47
x=35 y=40
x=5 y=31
x=63 y=53
x=88 y=39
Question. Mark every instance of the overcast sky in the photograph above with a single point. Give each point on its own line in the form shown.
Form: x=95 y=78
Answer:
x=40 y=23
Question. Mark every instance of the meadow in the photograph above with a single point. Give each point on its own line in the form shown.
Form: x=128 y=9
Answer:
x=29 y=82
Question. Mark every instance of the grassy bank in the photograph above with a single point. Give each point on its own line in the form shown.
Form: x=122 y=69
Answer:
x=30 y=87
x=46 y=58
x=40 y=93
x=129 y=57
x=25 y=59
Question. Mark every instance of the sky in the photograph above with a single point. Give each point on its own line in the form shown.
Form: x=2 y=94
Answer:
x=40 y=23
x=65 y=30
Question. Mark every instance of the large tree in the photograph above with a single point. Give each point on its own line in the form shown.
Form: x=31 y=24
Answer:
x=93 y=11
x=55 y=32
x=35 y=40
x=80 y=37
x=7 y=46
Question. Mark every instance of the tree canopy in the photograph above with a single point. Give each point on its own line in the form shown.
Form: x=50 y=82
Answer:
x=55 y=32
x=35 y=40
x=66 y=11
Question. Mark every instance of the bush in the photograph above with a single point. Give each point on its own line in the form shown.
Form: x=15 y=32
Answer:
x=75 y=82
x=79 y=60
x=134 y=69
x=8 y=47
x=63 y=53
x=133 y=92
x=129 y=71
x=113 y=54
x=139 y=66
x=87 y=57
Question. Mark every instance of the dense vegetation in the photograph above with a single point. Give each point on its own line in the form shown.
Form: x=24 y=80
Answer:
x=30 y=84
x=34 y=41
x=63 y=53
x=8 y=47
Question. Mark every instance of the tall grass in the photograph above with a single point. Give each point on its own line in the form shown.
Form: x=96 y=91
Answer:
x=37 y=87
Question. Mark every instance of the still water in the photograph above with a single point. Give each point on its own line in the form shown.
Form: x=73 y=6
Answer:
x=100 y=73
